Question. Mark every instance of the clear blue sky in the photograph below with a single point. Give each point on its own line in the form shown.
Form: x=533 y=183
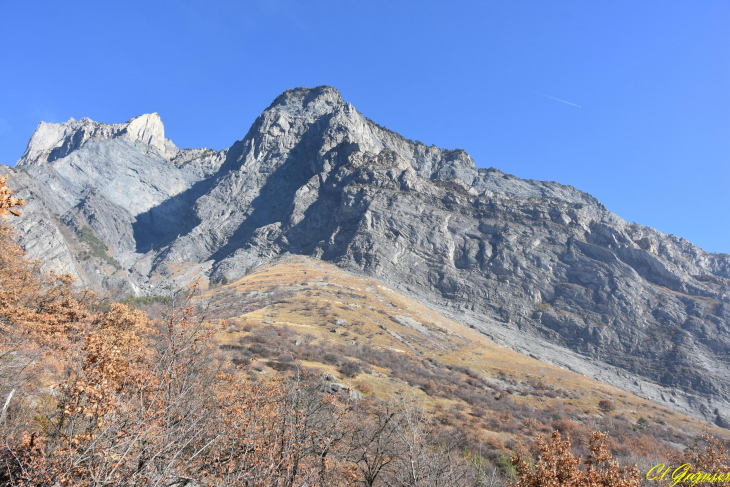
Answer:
x=651 y=139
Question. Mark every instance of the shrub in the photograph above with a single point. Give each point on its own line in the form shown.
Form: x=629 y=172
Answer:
x=506 y=467
x=364 y=387
x=146 y=300
x=8 y=203
x=557 y=465
x=281 y=366
x=708 y=455
x=350 y=368
x=606 y=406
x=260 y=350
x=331 y=358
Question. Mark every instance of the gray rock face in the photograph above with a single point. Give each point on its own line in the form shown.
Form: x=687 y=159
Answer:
x=53 y=141
x=39 y=229
x=540 y=267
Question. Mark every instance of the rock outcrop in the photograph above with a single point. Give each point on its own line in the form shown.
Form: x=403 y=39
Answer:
x=538 y=266
x=53 y=141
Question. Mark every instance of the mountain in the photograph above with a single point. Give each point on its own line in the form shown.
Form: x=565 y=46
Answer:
x=539 y=267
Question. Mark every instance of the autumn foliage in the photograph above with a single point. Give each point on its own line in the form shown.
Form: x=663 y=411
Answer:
x=558 y=466
x=708 y=456
x=8 y=202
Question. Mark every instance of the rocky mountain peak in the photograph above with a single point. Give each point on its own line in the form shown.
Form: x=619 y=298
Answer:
x=309 y=97
x=302 y=118
x=52 y=141
x=148 y=129
x=49 y=136
x=295 y=111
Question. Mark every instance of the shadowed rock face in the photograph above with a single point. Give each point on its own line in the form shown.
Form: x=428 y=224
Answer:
x=540 y=267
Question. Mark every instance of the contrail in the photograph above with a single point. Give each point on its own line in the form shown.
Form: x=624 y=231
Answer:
x=558 y=99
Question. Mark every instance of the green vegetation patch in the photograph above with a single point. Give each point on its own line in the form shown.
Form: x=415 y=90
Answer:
x=136 y=302
x=97 y=248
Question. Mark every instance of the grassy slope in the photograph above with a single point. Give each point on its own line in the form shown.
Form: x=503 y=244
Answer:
x=309 y=307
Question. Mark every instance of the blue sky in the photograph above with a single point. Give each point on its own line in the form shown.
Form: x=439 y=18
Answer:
x=651 y=138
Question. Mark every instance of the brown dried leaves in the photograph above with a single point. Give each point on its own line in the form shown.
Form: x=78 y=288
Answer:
x=8 y=202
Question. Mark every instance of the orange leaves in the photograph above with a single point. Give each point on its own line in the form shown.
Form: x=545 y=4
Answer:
x=105 y=358
x=122 y=405
x=558 y=466
x=36 y=305
x=708 y=454
x=8 y=203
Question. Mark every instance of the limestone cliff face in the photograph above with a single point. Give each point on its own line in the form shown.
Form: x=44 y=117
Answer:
x=53 y=141
x=538 y=266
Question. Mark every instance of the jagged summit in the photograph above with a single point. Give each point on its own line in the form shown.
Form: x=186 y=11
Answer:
x=52 y=141
x=298 y=110
x=290 y=115
x=304 y=96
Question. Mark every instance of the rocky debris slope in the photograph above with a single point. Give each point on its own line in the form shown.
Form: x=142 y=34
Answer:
x=538 y=266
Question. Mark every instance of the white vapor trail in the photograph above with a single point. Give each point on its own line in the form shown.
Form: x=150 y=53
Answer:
x=558 y=99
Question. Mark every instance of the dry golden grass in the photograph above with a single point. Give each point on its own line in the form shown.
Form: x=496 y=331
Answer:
x=309 y=297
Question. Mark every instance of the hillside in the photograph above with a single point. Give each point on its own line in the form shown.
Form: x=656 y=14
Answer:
x=306 y=313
